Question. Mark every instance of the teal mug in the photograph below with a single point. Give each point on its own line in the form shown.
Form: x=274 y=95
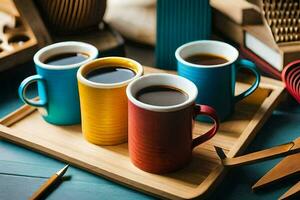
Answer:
x=57 y=83
x=215 y=81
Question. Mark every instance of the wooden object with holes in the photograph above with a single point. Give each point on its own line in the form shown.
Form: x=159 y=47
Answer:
x=26 y=127
x=22 y=32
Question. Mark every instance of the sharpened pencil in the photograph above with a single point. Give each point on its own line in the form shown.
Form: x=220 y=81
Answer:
x=49 y=183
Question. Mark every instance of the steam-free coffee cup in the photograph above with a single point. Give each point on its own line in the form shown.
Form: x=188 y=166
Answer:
x=161 y=110
x=56 y=67
x=213 y=66
x=102 y=84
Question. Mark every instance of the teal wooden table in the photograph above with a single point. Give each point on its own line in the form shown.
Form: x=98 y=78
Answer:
x=22 y=171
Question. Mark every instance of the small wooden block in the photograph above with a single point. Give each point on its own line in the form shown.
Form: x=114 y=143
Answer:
x=239 y=11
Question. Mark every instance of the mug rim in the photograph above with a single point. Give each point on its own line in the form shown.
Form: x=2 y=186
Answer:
x=87 y=82
x=199 y=42
x=91 y=50
x=192 y=91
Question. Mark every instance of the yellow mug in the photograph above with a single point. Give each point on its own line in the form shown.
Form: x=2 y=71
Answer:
x=104 y=105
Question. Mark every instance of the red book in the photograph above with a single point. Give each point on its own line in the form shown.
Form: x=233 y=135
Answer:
x=260 y=63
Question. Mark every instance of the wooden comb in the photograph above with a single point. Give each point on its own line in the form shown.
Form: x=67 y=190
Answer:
x=282 y=16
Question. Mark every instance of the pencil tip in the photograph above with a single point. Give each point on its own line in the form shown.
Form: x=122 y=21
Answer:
x=62 y=171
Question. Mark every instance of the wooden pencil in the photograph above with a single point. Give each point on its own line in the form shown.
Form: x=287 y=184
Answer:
x=49 y=183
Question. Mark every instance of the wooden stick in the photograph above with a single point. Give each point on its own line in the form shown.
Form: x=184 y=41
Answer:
x=292 y=193
x=275 y=152
x=288 y=167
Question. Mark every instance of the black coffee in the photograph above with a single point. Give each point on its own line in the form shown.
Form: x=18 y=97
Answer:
x=66 y=59
x=206 y=59
x=112 y=74
x=161 y=96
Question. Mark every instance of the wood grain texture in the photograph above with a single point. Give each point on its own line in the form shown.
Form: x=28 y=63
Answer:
x=196 y=180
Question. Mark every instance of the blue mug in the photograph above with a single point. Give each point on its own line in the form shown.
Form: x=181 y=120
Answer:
x=57 y=84
x=215 y=83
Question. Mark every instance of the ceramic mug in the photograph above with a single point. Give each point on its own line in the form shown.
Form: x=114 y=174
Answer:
x=160 y=137
x=57 y=84
x=103 y=105
x=217 y=82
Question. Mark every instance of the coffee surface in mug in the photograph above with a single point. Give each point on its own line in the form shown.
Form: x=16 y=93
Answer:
x=111 y=74
x=160 y=95
x=206 y=59
x=66 y=59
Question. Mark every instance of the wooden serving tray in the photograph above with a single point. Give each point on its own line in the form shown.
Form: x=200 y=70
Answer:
x=26 y=127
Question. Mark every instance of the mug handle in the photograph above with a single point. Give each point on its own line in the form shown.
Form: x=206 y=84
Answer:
x=209 y=111
x=246 y=64
x=22 y=91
